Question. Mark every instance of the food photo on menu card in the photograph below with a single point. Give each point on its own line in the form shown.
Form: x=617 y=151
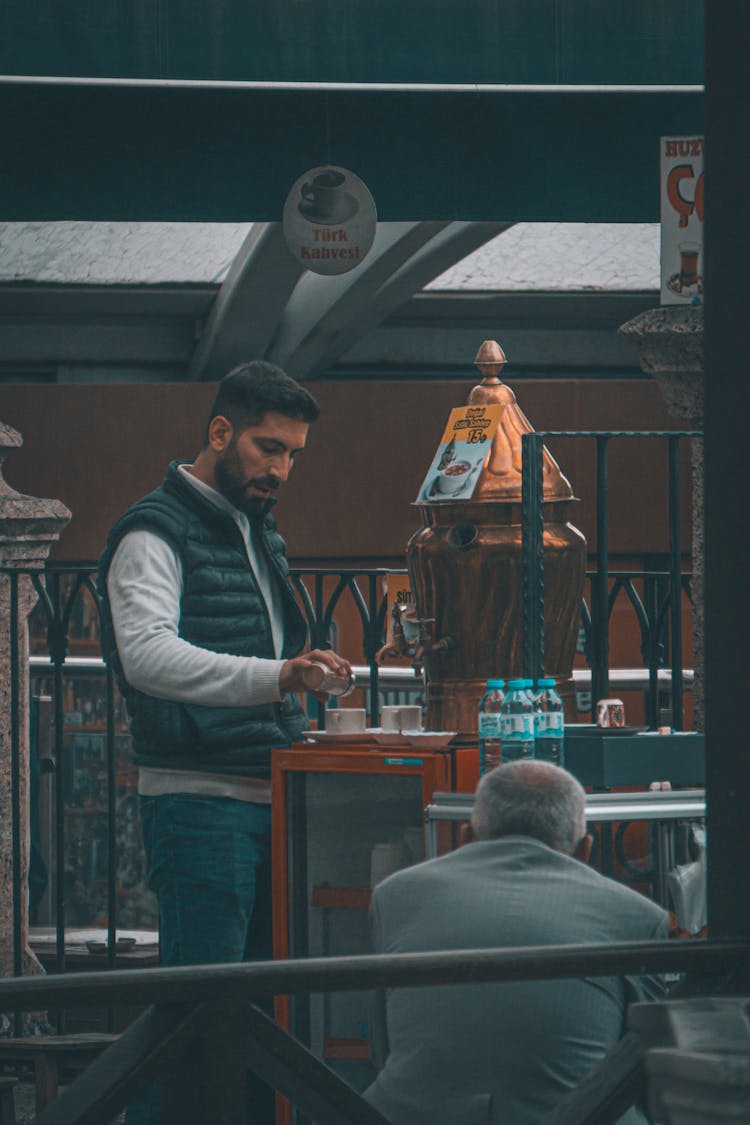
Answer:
x=463 y=450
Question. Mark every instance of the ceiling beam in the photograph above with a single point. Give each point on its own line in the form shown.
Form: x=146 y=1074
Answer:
x=326 y=316
x=143 y=150
x=249 y=304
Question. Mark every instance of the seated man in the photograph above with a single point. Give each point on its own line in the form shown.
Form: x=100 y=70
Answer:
x=504 y=1054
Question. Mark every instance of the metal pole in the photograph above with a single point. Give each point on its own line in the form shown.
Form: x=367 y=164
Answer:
x=532 y=555
x=111 y=828
x=600 y=592
x=727 y=407
x=675 y=582
x=372 y=645
x=15 y=782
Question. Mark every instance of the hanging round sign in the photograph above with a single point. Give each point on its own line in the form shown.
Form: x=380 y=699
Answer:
x=329 y=220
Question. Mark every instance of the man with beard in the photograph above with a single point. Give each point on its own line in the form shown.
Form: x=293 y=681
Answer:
x=204 y=633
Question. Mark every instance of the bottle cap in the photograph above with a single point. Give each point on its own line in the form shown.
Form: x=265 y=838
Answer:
x=546 y=682
x=496 y=683
x=513 y=684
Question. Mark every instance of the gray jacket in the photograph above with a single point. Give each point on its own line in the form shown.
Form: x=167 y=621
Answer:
x=500 y=1054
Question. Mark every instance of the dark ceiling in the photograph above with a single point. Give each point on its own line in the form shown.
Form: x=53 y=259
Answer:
x=456 y=41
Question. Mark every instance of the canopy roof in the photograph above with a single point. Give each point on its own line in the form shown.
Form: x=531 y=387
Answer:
x=553 y=257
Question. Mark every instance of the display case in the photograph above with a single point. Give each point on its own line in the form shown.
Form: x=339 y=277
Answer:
x=343 y=819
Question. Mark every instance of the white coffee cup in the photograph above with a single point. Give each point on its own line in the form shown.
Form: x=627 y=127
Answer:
x=410 y=624
x=454 y=476
x=346 y=720
x=401 y=717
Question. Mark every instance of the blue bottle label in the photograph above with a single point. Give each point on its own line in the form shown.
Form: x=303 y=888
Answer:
x=517 y=726
x=489 y=725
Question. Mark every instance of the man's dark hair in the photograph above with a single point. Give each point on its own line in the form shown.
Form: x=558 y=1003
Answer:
x=252 y=390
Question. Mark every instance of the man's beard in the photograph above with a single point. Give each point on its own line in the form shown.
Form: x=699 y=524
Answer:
x=232 y=483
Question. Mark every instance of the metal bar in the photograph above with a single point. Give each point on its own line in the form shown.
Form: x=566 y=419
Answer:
x=652 y=698
x=372 y=645
x=57 y=655
x=15 y=775
x=404 y=678
x=620 y=433
x=655 y=797
x=318 y=640
x=111 y=830
x=727 y=396
x=600 y=593
x=446 y=179
x=596 y=813
x=355 y=87
x=532 y=555
x=15 y=788
x=675 y=582
x=157 y=1037
x=191 y=984
x=297 y=1074
x=298 y=923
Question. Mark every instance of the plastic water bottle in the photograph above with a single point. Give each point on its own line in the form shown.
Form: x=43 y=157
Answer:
x=549 y=723
x=517 y=722
x=490 y=744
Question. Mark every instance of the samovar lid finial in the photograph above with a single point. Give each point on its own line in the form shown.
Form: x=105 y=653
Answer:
x=490 y=359
x=500 y=478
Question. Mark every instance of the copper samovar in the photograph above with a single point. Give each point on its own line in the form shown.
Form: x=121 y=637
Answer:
x=466 y=573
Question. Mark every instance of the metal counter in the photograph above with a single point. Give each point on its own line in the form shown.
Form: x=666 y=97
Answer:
x=664 y=808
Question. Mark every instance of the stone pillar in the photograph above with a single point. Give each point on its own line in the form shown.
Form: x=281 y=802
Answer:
x=28 y=528
x=669 y=343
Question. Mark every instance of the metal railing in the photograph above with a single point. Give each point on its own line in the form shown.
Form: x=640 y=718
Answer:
x=64 y=591
x=655 y=613
x=664 y=812
x=202 y=1033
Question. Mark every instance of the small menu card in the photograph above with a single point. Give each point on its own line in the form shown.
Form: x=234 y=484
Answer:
x=461 y=454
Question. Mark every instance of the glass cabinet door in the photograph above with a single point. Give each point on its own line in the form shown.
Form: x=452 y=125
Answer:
x=344 y=833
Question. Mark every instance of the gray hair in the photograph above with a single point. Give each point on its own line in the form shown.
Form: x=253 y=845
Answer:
x=530 y=798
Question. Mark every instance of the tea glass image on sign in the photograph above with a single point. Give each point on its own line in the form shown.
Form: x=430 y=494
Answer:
x=325 y=199
x=688 y=282
x=689 y=264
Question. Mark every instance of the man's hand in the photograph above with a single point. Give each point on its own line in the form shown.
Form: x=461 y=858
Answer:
x=292 y=671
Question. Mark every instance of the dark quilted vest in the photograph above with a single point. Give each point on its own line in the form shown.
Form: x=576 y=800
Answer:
x=222 y=610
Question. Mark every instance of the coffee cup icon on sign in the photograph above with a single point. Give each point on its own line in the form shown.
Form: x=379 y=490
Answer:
x=325 y=199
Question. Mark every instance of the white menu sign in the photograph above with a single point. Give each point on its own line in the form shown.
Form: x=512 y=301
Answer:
x=681 y=220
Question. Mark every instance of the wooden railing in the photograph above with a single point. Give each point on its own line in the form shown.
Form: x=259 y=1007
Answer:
x=202 y=1032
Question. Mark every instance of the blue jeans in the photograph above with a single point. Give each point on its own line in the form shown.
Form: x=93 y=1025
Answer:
x=209 y=862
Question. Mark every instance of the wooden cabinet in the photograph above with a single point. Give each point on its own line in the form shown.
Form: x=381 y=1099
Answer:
x=343 y=818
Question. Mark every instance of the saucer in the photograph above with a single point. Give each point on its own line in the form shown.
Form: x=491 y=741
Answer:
x=604 y=732
x=349 y=206
x=689 y=291
x=427 y=739
x=333 y=736
x=121 y=944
